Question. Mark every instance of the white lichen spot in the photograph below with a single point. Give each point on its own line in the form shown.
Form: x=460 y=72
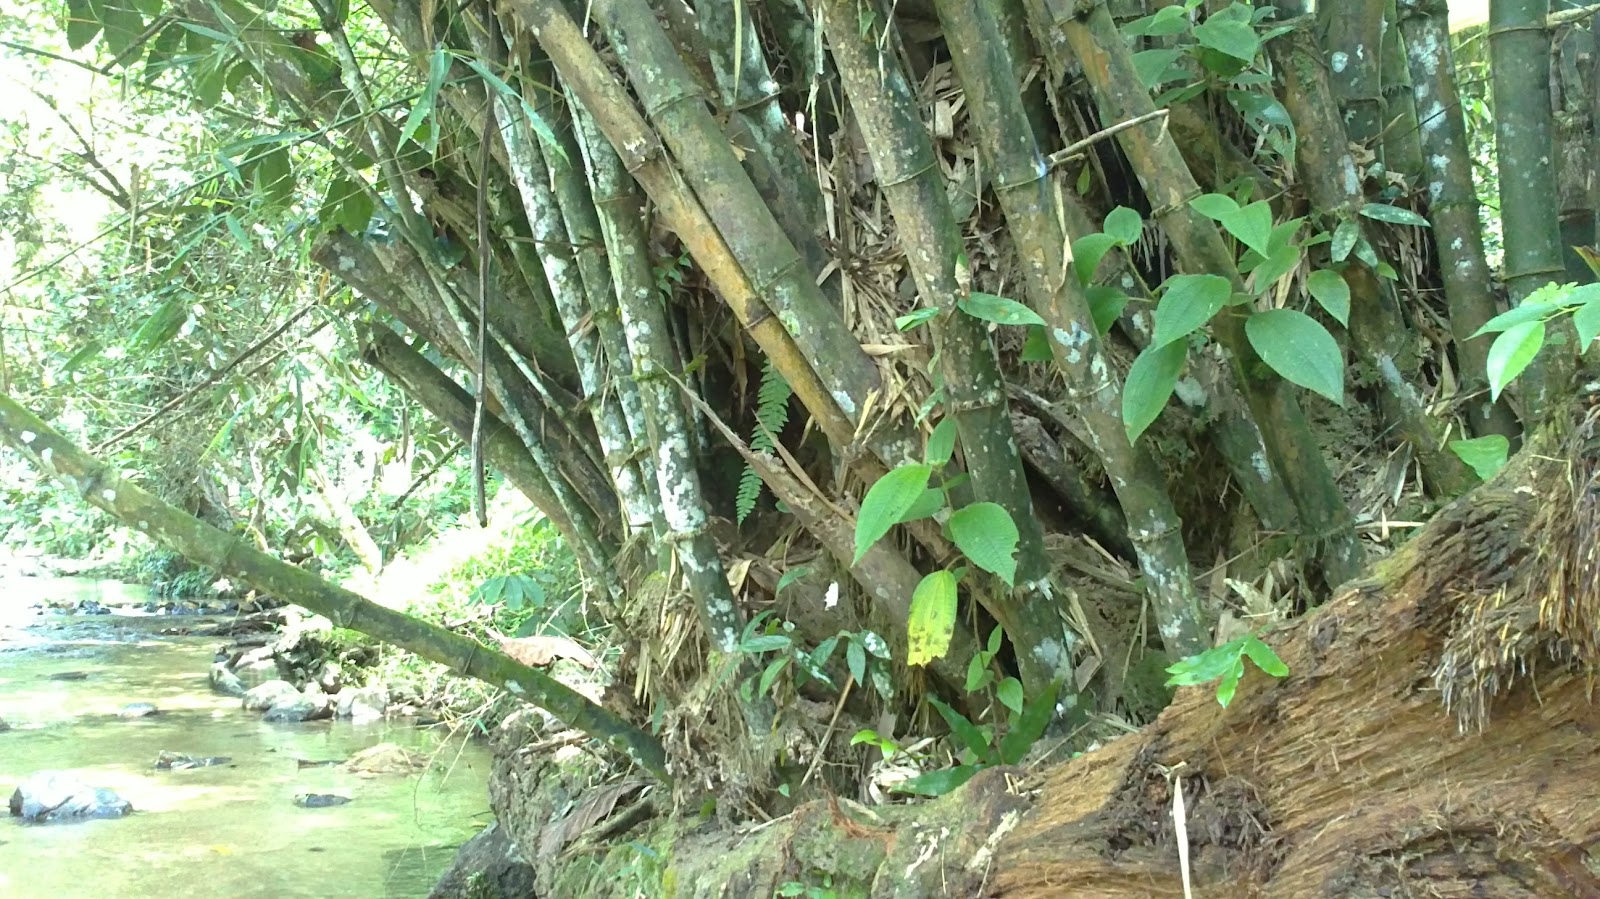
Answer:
x=1141 y=322
x=1062 y=337
x=1435 y=190
x=109 y=495
x=1352 y=181
x=514 y=688
x=1457 y=244
x=44 y=456
x=846 y=404
x=28 y=437
x=142 y=525
x=1190 y=392
x=1258 y=461
x=1341 y=61
x=346 y=264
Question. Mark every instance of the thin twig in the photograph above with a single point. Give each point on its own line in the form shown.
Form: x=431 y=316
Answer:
x=1074 y=150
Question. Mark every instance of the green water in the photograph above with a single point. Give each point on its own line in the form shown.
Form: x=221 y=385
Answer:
x=230 y=831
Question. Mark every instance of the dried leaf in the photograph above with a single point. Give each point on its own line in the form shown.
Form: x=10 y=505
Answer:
x=540 y=651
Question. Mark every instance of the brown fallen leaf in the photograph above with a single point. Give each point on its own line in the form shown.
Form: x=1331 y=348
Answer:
x=539 y=652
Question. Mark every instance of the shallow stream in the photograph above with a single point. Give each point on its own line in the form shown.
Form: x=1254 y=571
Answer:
x=226 y=831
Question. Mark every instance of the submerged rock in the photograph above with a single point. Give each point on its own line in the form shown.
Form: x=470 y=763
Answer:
x=4 y=726
x=488 y=866
x=56 y=796
x=386 y=758
x=320 y=800
x=177 y=761
x=138 y=710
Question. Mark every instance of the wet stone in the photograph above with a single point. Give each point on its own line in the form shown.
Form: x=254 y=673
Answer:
x=55 y=796
x=138 y=710
x=320 y=800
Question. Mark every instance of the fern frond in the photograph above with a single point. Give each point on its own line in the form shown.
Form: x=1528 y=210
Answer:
x=772 y=413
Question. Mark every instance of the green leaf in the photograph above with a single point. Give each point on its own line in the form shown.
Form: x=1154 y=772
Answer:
x=1230 y=683
x=274 y=177
x=1485 y=455
x=1205 y=667
x=970 y=735
x=942 y=442
x=855 y=658
x=82 y=25
x=912 y=319
x=1151 y=380
x=1165 y=22
x=1124 y=225
x=1214 y=206
x=1036 y=348
x=1105 y=305
x=1010 y=694
x=1087 y=251
x=1230 y=36
x=1252 y=225
x=926 y=506
x=1264 y=657
x=122 y=22
x=1383 y=212
x=1587 y=321
x=888 y=499
x=1284 y=259
x=1332 y=292
x=985 y=533
x=162 y=325
x=1027 y=729
x=937 y=783
x=1344 y=240
x=438 y=68
x=774 y=668
x=1300 y=349
x=1187 y=303
x=789 y=577
x=1156 y=67
x=1527 y=312
x=932 y=618
x=1000 y=310
x=1511 y=353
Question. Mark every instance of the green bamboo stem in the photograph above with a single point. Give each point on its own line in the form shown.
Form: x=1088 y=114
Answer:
x=756 y=121
x=1028 y=198
x=1453 y=210
x=1402 y=145
x=1519 y=49
x=1352 y=48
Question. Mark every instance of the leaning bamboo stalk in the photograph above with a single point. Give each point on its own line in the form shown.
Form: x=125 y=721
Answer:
x=447 y=402
x=1028 y=198
x=1377 y=330
x=100 y=486
x=1453 y=210
x=756 y=121
x=646 y=159
x=1293 y=451
x=674 y=104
